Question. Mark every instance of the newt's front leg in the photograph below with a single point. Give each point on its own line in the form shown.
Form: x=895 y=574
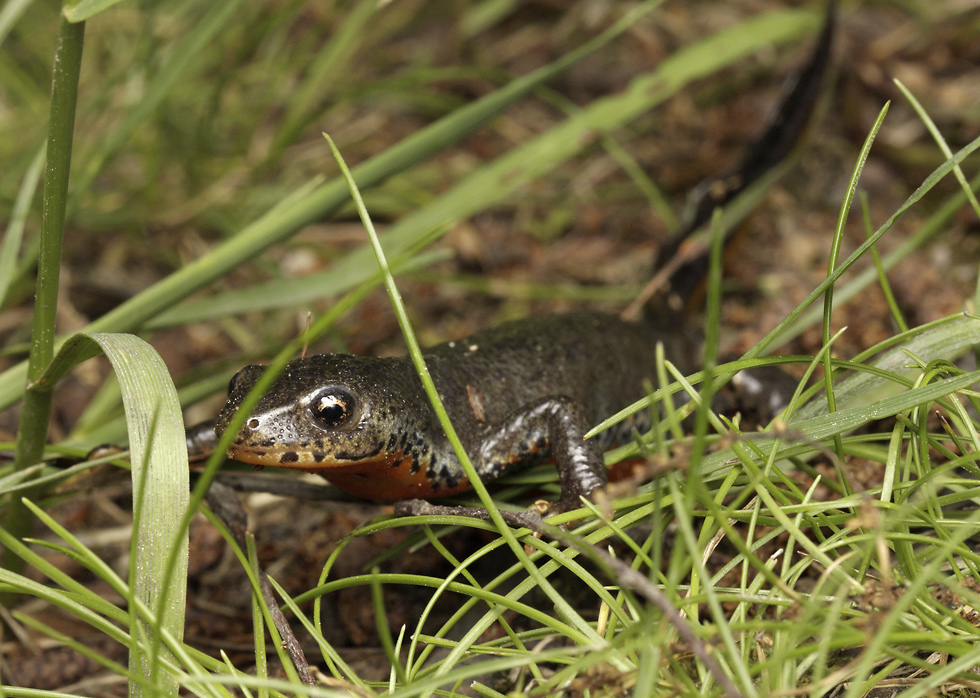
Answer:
x=553 y=425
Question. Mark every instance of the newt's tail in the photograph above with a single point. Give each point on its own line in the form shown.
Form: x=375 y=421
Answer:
x=682 y=276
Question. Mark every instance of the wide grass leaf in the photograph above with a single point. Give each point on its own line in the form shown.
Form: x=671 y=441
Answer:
x=160 y=489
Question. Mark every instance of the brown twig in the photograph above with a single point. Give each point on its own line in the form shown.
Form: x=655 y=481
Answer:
x=227 y=507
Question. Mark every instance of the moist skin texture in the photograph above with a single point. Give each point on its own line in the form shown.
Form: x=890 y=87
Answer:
x=516 y=394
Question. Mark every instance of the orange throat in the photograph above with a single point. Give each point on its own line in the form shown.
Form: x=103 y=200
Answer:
x=387 y=477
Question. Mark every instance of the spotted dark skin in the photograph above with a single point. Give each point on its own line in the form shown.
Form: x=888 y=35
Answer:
x=516 y=394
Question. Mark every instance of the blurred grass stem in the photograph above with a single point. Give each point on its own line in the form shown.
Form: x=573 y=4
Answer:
x=36 y=411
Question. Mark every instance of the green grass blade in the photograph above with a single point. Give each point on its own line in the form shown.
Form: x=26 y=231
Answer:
x=161 y=489
x=827 y=425
x=15 y=228
x=80 y=10
x=936 y=224
x=32 y=432
x=287 y=293
x=828 y=307
x=485 y=14
x=795 y=322
x=940 y=141
x=384 y=630
x=883 y=283
x=331 y=61
x=943 y=339
x=80 y=647
x=73 y=589
x=79 y=609
x=11 y=12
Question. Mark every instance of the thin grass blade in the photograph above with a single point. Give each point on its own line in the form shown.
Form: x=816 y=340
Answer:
x=15 y=228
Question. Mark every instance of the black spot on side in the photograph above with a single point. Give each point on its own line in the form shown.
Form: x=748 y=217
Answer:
x=318 y=456
x=289 y=457
x=416 y=465
x=446 y=479
x=346 y=455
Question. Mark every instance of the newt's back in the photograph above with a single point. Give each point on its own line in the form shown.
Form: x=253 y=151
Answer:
x=592 y=358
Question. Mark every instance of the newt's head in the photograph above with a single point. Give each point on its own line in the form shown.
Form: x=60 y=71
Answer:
x=326 y=412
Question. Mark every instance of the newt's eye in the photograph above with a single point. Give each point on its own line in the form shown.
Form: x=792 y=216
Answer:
x=332 y=407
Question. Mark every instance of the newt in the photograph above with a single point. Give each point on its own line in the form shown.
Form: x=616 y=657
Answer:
x=516 y=394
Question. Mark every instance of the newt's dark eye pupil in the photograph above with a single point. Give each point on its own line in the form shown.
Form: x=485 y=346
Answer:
x=332 y=408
